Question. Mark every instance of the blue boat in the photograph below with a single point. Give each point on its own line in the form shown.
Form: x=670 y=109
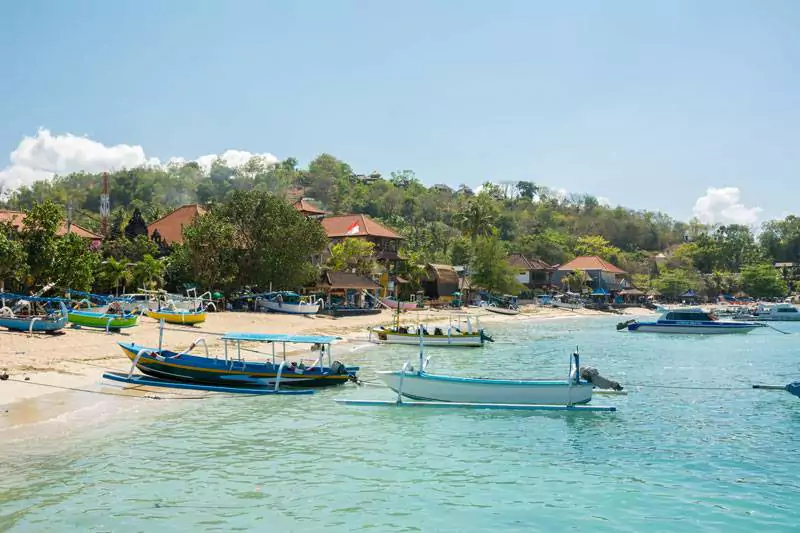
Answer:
x=32 y=313
x=231 y=369
x=690 y=321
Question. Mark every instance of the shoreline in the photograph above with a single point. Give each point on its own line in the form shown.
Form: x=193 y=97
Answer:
x=64 y=371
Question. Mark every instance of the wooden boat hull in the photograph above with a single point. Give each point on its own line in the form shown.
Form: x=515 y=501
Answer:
x=289 y=308
x=431 y=387
x=388 y=302
x=692 y=329
x=42 y=325
x=172 y=366
x=502 y=310
x=177 y=317
x=473 y=340
x=563 y=305
x=102 y=320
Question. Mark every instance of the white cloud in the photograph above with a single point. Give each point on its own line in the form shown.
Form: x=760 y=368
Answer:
x=44 y=155
x=605 y=202
x=724 y=206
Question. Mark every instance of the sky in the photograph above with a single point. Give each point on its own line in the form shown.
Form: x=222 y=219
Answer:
x=691 y=108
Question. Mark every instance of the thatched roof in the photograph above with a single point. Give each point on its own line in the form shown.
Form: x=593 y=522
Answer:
x=346 y=280
x=442 y=273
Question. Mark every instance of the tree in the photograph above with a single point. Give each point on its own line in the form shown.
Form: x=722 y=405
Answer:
x=596 y=245
x=351 y=254
x=273 y=242
x=674 y=283
x=115 y=274
x=490 y=269
x=39 y=240
x=575 y=281
x=642 y=281
x=149 y=272
x=75 y=264
x=210 y=247
x=763 y=281
x=13 y=262
x=476 y=218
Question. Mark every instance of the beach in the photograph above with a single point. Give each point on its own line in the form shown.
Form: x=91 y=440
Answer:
x=41 y=365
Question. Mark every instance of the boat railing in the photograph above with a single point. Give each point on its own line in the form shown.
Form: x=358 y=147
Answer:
x=425 y=364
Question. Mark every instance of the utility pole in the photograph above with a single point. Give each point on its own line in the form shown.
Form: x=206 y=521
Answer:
x=105 y=206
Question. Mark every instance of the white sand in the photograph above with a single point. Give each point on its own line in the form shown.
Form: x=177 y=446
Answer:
x=77 y=358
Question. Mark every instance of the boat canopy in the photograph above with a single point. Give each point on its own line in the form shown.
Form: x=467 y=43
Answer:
x=278 y=337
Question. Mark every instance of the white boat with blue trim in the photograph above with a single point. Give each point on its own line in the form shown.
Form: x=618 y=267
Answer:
x=781 y=312
x=693 y=321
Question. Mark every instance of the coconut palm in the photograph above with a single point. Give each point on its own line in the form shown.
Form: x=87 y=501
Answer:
x=149 y=271
x=116 y=273
x=476 y=218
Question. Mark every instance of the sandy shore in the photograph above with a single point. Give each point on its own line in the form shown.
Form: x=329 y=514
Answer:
x=42 y=365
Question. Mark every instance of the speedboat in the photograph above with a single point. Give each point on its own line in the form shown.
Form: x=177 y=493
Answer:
x=781 y=312
x=690 y=321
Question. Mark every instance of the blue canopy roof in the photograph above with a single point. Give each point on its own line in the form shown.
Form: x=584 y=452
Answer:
x=599 y=292
x=688 y=294
x=279 y=337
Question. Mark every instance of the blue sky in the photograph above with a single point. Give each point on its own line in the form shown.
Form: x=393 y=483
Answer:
x=645 y=103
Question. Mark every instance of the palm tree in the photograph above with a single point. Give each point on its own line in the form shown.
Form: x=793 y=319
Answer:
x=476 y=218
x=149 y=271
x=116 y=273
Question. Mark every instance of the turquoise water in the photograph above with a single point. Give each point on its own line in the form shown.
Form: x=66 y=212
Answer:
x=696 y=459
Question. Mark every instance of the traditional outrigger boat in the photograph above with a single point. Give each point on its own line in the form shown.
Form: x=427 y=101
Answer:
x=460 y=333
x=110 y=313
x=288 y=302
x=32 y=313
x=689 y=321
x=173 y=315
x=437 y=390
x=231 y=369
x=507 y=305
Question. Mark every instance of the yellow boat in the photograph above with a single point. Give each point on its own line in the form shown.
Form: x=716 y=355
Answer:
x=178 y=316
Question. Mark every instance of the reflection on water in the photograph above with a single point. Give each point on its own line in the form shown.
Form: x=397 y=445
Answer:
x=715 y=457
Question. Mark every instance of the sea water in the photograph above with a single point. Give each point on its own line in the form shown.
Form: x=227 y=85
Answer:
x=691 y=448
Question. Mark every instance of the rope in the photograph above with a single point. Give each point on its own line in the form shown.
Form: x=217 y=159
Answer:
x=684 y=387
x=776 y=329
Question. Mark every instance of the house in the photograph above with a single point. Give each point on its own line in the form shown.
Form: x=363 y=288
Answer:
x=308 y=209
x=170 y=227
x=386 y=241
x=17 y=220
x=440 y=282
x=603 y=274
x=531 y=272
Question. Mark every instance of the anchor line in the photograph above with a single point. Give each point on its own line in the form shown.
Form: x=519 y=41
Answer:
x=106 y=393
x=683 y=387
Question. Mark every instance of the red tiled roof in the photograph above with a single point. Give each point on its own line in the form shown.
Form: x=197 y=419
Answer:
x=17 y=219
x=304 y=206
x=518 y=260
x=356 y=226
x=591 y=262
x=170 y=226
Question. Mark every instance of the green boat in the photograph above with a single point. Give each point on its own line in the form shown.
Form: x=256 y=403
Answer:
x=110 y=321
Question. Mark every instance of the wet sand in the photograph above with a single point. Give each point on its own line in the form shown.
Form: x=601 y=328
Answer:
x=56 y=378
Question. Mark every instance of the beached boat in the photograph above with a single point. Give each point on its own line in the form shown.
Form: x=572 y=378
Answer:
x=288 y=302
x=394 y=304
x=502 y=310
x=103 y=319
x=781 y=312
x=689 y=321
x=507 y=305
x=460 y=333
x=32 y=314
x=178 y=316
x=231 y=369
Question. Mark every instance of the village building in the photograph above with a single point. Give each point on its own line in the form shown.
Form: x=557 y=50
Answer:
x=440 y=283
x=531 y=272
x=17 y=220
x=601 y=275
x=169 y=228
x=305 y=207
x=386 y=241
